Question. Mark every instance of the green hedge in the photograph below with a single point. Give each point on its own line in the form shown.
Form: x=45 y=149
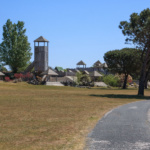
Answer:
x=111 y=80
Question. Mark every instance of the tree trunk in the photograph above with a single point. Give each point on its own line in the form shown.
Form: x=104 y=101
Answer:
x=125 y=81
x=145 y=84
x=141 y=85
x=143 y=75
x=146 y=77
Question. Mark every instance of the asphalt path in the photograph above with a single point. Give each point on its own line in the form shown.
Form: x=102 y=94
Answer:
x=124 y=128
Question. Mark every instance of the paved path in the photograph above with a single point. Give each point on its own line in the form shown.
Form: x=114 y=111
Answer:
x=124 y=128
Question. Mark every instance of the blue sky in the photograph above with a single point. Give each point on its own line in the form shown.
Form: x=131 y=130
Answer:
x=77 y=29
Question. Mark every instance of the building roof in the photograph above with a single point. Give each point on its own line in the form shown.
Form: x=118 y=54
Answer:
x=95 y=74
x=1 y=74
x=41 y=39
x=76 y=70
x=49 y=72
x=105 y=65
x=81 y=63
x=69 y=70
x=97 y=64
x=86 y=72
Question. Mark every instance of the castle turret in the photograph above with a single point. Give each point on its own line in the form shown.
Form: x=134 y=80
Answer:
x=41 y=54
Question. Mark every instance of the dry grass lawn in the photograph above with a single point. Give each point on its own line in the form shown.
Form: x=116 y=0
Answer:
x=53 y=118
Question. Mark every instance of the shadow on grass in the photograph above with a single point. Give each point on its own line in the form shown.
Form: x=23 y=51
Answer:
x=122 y=96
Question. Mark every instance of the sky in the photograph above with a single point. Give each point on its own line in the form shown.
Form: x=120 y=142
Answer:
x=77 y=29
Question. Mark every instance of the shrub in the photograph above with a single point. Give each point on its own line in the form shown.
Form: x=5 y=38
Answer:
x=7 y=79
x=18 y=75
x=78 y=75
x=122 y=76
x=28 y=76
x=99 y=79
x=83 y=79
x=111 y=80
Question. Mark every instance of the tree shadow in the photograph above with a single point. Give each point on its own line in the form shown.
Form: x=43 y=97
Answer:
x=122 y=96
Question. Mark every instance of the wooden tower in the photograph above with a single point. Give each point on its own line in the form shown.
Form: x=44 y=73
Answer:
x=41 y=54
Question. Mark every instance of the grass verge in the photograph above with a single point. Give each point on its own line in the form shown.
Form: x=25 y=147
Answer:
x=56 y=118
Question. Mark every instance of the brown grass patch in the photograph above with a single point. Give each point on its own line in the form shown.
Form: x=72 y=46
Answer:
x=42 y=117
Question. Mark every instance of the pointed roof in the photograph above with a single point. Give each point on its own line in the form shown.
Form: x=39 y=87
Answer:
x=76 y=70
x=69 y=70
x=49 y=72
x=97 y=64
x=41 y=39
x=86 y=72
x=81 y=63
x=95 y=74
x=105 y=65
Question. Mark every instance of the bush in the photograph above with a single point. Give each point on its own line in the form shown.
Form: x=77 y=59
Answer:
x=122 y=76
x=18 y=75
x=7 y=79
x=83 y=79
x=99 y=79
x=111 y=80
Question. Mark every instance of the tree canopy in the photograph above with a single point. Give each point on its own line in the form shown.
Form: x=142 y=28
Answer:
x=137 y=31
x=125 y=61
x=15 y=48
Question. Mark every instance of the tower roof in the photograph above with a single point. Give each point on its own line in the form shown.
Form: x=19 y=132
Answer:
x=81 y=63
x=41 y=39
x=97 y=64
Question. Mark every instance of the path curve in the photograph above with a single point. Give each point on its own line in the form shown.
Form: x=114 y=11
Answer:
x=124 y=128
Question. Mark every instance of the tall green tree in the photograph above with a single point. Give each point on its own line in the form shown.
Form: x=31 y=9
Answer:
x=125 y=61
x=15 y=48
x=137 y=31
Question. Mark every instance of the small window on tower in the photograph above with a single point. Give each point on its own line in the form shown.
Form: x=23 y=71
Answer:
x=41 y=43
x=45 y=43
